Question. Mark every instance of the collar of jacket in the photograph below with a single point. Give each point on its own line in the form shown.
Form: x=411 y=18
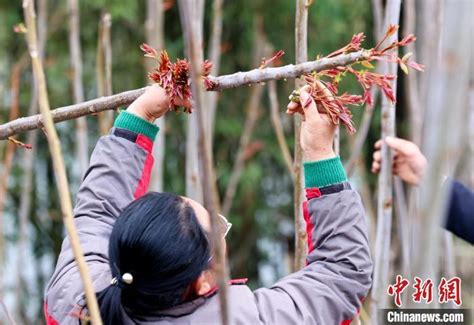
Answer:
x=188 y=307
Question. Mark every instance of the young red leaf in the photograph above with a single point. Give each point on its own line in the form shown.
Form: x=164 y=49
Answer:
x=416 y=66
x=149 y=51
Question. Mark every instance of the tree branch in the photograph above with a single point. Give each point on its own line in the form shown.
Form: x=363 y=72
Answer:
x=223 y=82
x=70 y=112
x=288 y=71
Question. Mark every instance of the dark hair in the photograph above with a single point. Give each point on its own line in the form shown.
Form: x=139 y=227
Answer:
x=159 y=241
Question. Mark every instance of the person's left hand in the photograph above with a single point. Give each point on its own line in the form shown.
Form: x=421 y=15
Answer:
x=154 y=103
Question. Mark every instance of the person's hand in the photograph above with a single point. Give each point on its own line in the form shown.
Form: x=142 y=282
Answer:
x=317 y=131
x=408 y=161
x=154 y=103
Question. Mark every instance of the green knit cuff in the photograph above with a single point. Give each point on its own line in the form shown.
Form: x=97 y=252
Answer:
x=324 y=172
x=133 y=123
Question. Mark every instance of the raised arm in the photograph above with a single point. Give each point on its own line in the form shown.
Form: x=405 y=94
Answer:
x=330 y=289
x=119 y=172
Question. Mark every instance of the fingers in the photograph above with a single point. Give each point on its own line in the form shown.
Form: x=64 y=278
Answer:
x=376 y=162
x=309 y=107
x=292 y=108
x=182 y=102
x=403 y=146
x=375 y=167
x=378 y=144
x=323 y=90
x=377 y=156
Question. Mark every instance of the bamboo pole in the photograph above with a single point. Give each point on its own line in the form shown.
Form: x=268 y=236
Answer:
x=82 y=152
x=223 y=82
x=301 y=55
x=191 y=14
x=154 y=28
x=385 y=185
x=58 y=162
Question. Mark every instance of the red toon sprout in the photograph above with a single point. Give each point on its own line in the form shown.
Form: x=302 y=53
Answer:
x=336 y=106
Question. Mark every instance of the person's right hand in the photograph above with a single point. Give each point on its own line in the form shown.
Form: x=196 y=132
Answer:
x=317 y=131
x=154 y=103
x=408 y=162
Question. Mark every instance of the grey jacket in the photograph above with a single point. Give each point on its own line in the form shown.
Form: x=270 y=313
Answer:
x=328 y=290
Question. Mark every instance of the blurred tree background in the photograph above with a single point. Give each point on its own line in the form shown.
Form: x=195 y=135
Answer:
x=261 y=243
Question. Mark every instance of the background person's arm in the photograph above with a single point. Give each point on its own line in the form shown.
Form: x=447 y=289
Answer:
x=410 y=165
x=460 y=212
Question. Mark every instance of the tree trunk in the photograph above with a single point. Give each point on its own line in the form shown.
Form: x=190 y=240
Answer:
x=10 y=147
x=191 y=14
x=82 y=151
x=448 y=87
x=301 y=55
x=27 y=164
x=58 y=162
x=104 y=70
x=214 y=55
x=154 y=26
x=385 y=184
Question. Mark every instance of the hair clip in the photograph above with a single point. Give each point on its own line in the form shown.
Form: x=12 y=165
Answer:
x=127 y=278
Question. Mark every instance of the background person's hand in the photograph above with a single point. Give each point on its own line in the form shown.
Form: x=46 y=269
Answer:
x=317 y=131
x=408 y=162
x=154 y=103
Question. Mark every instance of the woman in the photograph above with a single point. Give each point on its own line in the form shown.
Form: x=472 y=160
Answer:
x=149 y=254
